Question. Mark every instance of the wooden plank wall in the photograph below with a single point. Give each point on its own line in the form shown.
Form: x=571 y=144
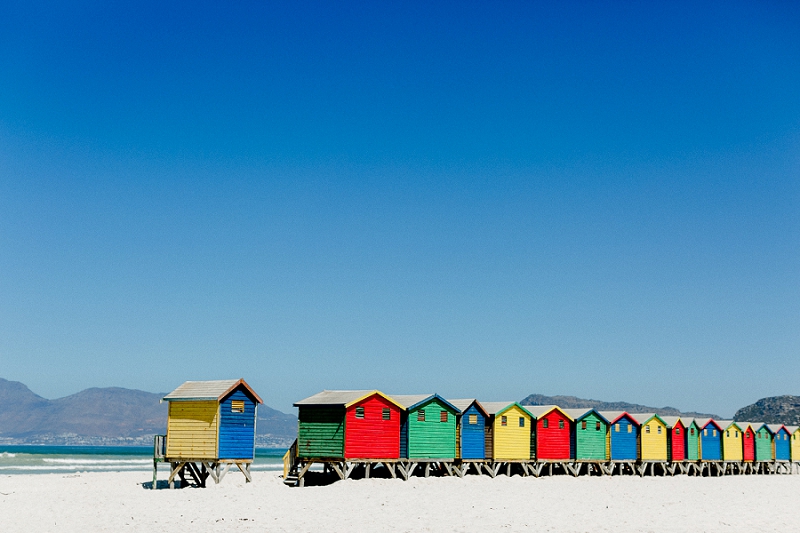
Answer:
x=192 y=430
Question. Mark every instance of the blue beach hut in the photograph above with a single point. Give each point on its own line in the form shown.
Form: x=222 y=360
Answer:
x=782 y=442
x=471 y=429
x=711 y=441
x=623 y=435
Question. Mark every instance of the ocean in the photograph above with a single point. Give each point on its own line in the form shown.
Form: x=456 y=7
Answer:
x=37 y=459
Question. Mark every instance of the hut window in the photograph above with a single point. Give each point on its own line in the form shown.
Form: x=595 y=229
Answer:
x=647 y=429
x=728 y=433
x=503 y=421
x=597 y=426
x=713 y=432
x=443 y=416
x=583 y=424
x=473 y=419
x=736 y=434
x=691 y=432
x=359 y=412
x=758 y=435
x=677 y=431
x=560 y=424
x=630 y=428
x=616 y=428
x=387 y=413
x=544 y=423
x=522 y=421
x=237 y=406
x=659 y=430
x=705 y=433
x=421 y=415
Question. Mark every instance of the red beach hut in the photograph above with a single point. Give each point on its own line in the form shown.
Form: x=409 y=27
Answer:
x=551 y=433
x=748 y=442
x=676 y=440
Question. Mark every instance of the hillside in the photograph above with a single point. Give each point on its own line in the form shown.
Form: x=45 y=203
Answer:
x=110 y=415
x=772 y=410
x=573 y=402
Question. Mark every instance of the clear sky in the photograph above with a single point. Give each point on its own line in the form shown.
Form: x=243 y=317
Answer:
x=476 y=199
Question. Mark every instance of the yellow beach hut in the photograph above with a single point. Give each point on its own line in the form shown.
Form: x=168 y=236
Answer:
x=732 y=448
x=794 y=431
x=652 y=437
x=509 y=431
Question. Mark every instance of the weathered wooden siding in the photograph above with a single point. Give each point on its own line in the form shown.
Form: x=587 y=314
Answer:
x=488 y=440
x=512 y=441
x=711 y=443
x=692 y=442
x=473 y=443
x=677 y=443
x=624 y=437
x=373 y=436
x=192 y=430
x=748 y=445
x=432 y=438
x=653 y=435
x=590 y=443
x=732 y=444
x=552 y=442
x=763 y=448
x=782 y=448
x=320 y=431
x=237 y=430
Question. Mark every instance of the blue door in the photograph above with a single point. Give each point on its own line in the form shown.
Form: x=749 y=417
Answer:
x=711 y=443
x=473 y=443
x=782 y=445
x=623 y=440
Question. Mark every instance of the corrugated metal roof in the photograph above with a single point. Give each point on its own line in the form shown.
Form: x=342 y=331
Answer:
x=744 y=425
x=758 y=425
x=207 y=390
x=335 y=397
x=724 y=424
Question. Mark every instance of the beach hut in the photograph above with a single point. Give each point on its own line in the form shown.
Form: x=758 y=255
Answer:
x=211 y=423
x=732 y=449
x=348 y=424
x=551 y=433
x=748 y=441
x=676 y=438
x=623 y=436
x=711 y=441
x=764 y=451
x=781 y=440
x=652 y=437
x=509 y=435
x=470 y=430
x=589 y=435
x=427 y=427
x=794 y=450
x=692 y=441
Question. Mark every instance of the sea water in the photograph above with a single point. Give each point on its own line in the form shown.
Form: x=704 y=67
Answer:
x=36 y=459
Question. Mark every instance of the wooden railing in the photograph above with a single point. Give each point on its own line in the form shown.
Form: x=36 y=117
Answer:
x=289 y=459
x=159 y=446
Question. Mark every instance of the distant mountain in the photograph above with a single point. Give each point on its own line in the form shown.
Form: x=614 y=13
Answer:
x=573 y=402
x=773 y=410
x=106 y=416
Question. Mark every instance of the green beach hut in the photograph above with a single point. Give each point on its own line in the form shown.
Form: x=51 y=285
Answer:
x=427 y=427
x=764 y=451
x=589 y=438
x=692 y=449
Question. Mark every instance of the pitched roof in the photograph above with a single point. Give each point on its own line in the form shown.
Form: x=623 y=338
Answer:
x=465 y=403
x=792 y=429
x=744 y=425
x=643 y=418
x=704 y=422
x=208 y=390
x=774 y=428
x=495 y=408
x=613 y=416
x=538 y=411
x=345 y=398
x=411 y=401
x=671 y=421
x=577 y=414
x=758 y=426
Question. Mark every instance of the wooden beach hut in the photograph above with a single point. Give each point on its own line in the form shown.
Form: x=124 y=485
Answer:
x=470 y=430
x=551 y=433
x=652 y=437
x=764 y=451
x=348 y=424
x=692 y=441
x=589 y=435
x=781 y=440
x=623 y=436
x=748 y=441
x=509 y=434
x=676 y=438
x=211 y=424
x=427 y=427
x=794 y=450
x=731 y=441
x=711 y=441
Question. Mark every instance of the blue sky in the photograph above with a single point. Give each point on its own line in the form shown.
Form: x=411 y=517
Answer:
x=596 y=199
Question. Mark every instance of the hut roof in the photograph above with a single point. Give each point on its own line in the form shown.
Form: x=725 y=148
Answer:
x=465 y=403
x=719 y=423
x=757 y=426
x=538 y=411
x=344 y=398
x=410 y=401
x=577 y=414
x=792 y=429
x=643 y=418
x=613 y=416
x=208 y=390
x=774 y=428
x=744 y=425
x=671 y=421
x=495 y=408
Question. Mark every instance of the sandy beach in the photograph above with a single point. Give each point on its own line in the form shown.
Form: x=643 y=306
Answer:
x=118 y=501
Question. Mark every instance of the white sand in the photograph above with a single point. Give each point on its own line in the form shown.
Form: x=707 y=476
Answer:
x=117 y=501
